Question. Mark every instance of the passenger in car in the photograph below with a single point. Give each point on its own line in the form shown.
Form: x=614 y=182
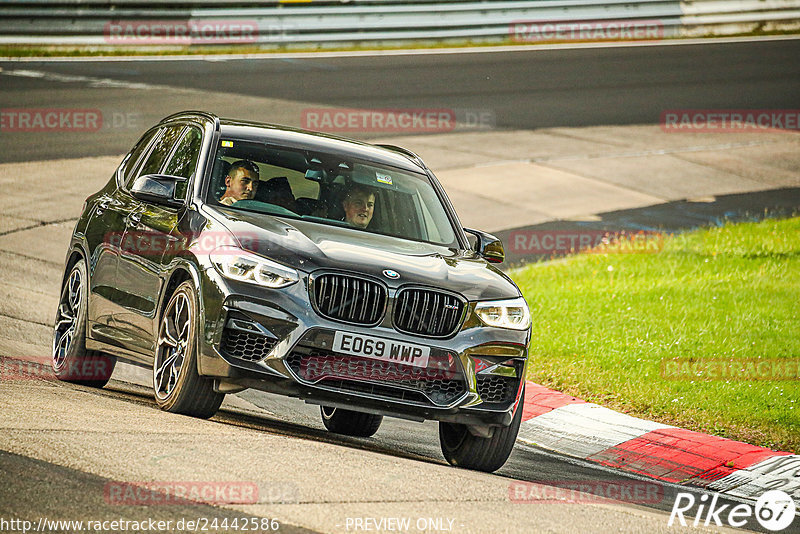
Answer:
x=359 y=206
x=277 y=191
x=241 y=182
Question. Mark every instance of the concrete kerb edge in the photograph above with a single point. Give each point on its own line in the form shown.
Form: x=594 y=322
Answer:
x=570 y=426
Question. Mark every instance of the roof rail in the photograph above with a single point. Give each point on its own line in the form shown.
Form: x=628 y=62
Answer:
x=189 y=113
x=406 y=152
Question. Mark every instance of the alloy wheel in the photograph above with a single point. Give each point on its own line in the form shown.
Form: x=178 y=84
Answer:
x=69 y=310
x=172 y=345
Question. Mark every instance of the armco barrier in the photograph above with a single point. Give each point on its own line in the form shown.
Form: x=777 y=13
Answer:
x=724 y=17
x=271 y=23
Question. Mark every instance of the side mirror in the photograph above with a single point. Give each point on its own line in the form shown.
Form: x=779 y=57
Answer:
x=488 y=246
x=157 y=188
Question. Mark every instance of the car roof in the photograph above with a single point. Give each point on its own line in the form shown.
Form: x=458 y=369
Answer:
x=319 y=142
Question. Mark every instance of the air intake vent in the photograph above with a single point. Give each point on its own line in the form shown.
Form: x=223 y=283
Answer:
x=497 y=389
x=349 y=299
x=427 y=312
x=245 y=345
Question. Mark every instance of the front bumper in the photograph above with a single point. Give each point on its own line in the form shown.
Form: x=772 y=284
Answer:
x=273 y=340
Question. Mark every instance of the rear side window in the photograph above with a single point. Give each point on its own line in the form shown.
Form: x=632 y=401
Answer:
x=136 y=153
x=161 y=149
x=184 y=160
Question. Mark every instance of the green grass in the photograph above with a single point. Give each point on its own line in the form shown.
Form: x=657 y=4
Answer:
x=165 y=50
x=604 y=323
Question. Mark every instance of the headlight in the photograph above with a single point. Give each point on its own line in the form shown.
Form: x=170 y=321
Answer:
x=511 y=313
x=237 y=264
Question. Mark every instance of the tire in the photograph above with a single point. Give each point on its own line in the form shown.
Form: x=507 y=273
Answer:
x=462 y=449
x=349 y=423
x=177 y=386
x=71 y=361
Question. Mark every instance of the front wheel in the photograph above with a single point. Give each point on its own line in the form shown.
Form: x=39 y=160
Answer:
x=71 y=361
x=349 y=423
x=178 y=386
x=462 y=449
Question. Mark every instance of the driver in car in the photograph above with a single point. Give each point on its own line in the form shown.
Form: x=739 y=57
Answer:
x=241 y=182
x=359 y=206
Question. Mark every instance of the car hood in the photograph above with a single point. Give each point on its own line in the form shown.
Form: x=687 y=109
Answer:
x=309 y=246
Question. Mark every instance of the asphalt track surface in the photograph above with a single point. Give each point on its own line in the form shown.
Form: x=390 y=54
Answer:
x=55 y=490
x=523 y=90
x=532 y=89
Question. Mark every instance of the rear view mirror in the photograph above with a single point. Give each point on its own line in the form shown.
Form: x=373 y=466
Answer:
x=488 y=246
x=317 y=175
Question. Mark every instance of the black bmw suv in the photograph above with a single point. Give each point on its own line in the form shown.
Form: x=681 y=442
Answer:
x=227 y=255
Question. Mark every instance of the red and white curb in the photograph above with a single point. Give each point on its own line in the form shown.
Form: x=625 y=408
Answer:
x=571 y=426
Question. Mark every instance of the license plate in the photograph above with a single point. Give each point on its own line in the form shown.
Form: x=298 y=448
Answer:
x=381 y=349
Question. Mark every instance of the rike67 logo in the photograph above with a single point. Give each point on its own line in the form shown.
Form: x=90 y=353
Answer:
x=774 y=510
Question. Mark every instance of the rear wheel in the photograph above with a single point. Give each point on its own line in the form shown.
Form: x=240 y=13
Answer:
x=461 y=448
x=177 y=385
x=72 y=362
x=350 y=423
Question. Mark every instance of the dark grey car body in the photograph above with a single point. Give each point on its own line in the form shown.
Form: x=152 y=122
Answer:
x=279 y=340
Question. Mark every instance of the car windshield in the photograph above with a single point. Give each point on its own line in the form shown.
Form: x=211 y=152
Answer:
x=328 y=189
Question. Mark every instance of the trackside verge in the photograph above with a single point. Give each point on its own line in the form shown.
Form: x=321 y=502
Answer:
x=571 y=426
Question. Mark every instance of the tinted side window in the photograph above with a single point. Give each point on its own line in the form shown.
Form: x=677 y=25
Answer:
x=130 y=163
x=184 y=160
x=161 y=150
